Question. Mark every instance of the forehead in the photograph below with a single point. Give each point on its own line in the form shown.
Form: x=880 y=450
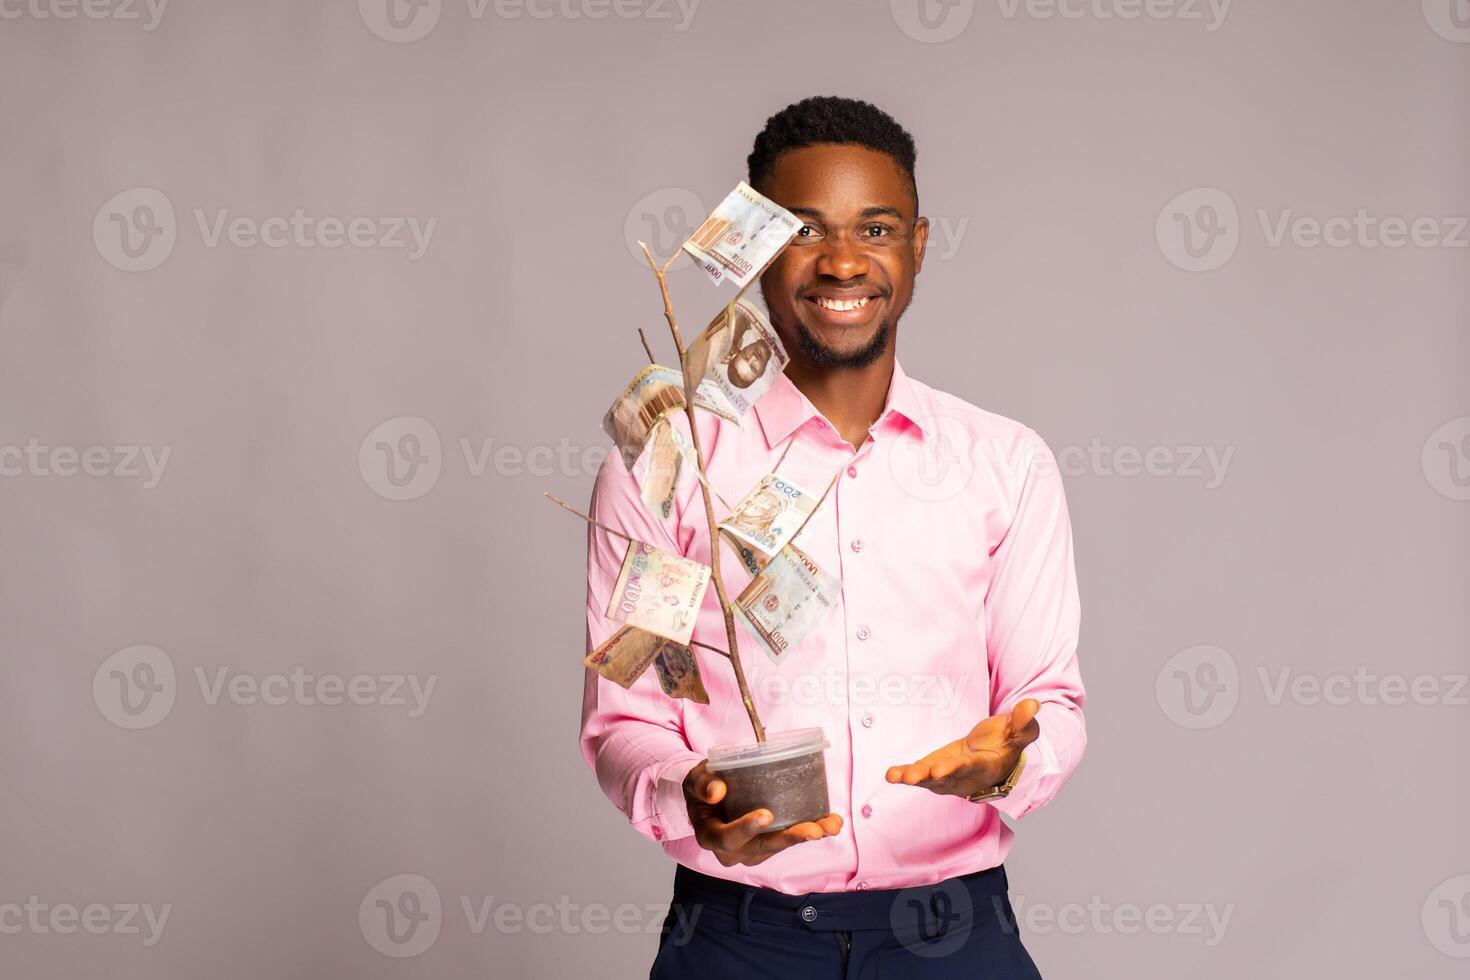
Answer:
x=839 y=179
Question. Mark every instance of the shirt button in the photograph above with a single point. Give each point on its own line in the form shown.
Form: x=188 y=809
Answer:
x=867 y=810
x=862 y=886
x=863 y=632
x=867 y=720
x=808 y=914
x=658 y=832
x=852 y=471
x=857 y=544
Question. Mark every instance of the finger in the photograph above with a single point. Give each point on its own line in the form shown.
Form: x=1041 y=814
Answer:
x=709 y=788
x=737 y=833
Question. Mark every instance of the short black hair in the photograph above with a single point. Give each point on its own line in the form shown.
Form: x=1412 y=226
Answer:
x=831 y=119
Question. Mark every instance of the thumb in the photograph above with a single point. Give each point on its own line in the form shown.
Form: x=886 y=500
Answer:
x=1023 y=718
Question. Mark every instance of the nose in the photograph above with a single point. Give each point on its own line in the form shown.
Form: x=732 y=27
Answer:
x=842 y=259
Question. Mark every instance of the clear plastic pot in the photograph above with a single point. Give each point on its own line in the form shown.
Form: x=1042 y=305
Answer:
x=786 y=774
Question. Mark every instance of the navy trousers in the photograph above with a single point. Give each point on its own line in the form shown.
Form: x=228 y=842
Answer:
x=959 y=927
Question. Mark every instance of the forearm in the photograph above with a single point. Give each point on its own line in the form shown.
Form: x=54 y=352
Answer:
x=640 y=759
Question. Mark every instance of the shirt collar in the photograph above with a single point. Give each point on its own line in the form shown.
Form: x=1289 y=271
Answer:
x=784 y=408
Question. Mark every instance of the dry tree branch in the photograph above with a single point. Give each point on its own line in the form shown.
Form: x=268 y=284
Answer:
x=709 y=507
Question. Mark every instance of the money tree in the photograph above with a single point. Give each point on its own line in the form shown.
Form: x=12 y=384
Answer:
x=724 y=371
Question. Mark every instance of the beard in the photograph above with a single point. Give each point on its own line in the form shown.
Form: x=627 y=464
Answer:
x=820 y=355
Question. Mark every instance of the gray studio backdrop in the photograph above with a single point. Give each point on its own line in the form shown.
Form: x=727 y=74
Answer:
x=304 y=304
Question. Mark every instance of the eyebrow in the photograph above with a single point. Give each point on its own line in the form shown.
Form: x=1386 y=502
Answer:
x=872 y=212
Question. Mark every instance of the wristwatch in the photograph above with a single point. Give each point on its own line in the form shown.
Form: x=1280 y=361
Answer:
x=1004 y=789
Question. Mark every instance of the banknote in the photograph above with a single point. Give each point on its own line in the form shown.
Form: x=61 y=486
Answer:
x=787 y=600
x=626 y=654
x=741 y=236
x=678 y=673
x=658 y=591
x=770 y=514
x=651 y=396
x=735 y=361
x=659 y=479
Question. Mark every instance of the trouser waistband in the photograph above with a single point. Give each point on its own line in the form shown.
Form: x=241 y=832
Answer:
x=943 y=904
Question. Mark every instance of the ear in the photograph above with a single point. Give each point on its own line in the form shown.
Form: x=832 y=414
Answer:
x=921 y=241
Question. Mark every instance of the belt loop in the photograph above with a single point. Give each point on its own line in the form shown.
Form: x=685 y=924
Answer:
x=743 y=915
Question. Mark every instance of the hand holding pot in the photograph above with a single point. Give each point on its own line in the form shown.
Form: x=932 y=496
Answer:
x=980 y=760
x=743 y=840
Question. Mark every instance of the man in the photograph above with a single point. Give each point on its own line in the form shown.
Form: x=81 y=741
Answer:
x=945 y=675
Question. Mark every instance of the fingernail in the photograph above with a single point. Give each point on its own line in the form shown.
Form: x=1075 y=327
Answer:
x=764 y=818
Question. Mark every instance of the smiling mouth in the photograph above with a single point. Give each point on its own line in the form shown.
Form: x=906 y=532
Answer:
x=843 y=310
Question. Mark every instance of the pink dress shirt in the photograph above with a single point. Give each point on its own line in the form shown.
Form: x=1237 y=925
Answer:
x=949 y=530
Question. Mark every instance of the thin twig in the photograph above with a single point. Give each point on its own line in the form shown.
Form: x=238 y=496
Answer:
x=646 y=348
x=696 y=643
x=709 y=508
x=566 y=506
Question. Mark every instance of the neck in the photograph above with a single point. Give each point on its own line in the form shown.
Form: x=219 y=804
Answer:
x=851 y=398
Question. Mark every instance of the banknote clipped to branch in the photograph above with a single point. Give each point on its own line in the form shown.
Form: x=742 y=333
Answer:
x=741 y=237
x=728 y=368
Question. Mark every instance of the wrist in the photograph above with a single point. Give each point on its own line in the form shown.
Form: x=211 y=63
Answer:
x=1003 y=788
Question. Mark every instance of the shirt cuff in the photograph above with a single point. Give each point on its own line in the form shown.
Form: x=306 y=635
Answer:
x=670 y=817
x=1041 y=762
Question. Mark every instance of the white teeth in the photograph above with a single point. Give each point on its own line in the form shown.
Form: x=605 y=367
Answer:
x=841 y=305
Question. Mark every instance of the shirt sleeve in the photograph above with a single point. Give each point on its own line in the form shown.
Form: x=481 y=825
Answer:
x=1032 y=620
x=633 y=739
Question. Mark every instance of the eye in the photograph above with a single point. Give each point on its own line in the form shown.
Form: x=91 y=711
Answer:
x=807 y=231
x=876 y=231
